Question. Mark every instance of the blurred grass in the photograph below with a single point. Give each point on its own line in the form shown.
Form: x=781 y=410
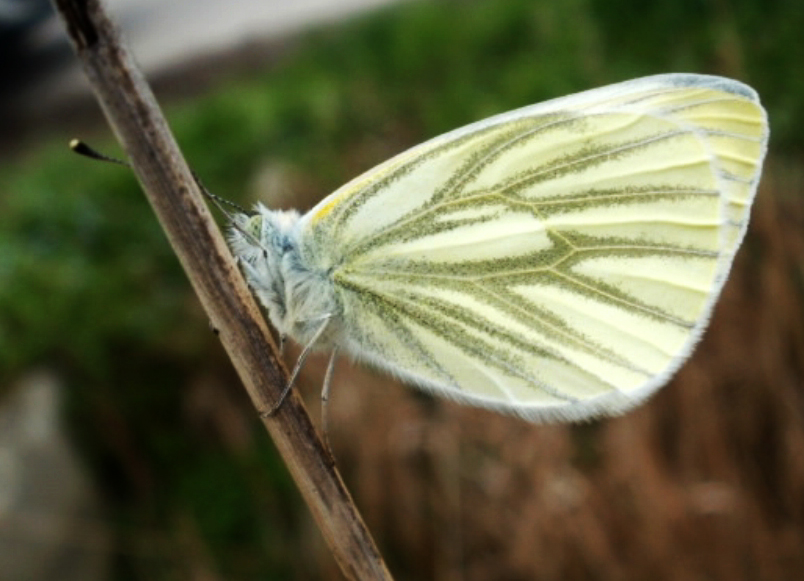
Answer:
x=88 y=286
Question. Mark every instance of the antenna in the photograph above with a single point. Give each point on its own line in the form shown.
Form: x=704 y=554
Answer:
x=82 y=148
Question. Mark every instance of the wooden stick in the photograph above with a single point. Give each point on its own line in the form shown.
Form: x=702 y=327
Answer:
x=132 y=111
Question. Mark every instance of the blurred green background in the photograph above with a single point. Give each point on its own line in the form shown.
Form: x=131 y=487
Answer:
x=706 y=481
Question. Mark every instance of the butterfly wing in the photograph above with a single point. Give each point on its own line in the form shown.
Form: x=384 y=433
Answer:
x=559 y=261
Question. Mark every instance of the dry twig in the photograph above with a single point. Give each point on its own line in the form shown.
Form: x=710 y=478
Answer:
x=134 y=115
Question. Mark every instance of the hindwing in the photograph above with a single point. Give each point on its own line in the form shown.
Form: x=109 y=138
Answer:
x=557 y=261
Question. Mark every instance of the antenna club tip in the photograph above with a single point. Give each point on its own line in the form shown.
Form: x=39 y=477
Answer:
x=75 y=144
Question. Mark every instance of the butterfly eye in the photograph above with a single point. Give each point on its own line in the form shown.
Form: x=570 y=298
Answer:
x=253 y=226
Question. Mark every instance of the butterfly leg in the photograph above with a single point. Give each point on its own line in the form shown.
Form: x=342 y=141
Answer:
x=297 y=368
x=282 y=342
x=325 y=398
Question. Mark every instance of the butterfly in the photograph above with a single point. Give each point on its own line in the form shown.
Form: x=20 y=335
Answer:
x=557 y=262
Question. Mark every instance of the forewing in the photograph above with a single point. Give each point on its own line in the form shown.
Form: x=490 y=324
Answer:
x=556 y=261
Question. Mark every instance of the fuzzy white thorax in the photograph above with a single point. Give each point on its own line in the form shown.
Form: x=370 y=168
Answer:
x=297 y=297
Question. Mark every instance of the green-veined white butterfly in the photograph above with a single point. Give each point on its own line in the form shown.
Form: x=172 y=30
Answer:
x=559 y=261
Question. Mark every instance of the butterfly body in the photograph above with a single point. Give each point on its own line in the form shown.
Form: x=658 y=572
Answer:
x=558 y=262
x=299 y=297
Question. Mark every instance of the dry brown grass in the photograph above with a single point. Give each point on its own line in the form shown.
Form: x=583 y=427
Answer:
x=705 y=481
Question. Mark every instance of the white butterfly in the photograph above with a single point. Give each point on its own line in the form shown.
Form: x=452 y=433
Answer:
x=559 y=261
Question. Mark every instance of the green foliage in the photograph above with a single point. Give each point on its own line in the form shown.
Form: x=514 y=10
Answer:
x=72 y=281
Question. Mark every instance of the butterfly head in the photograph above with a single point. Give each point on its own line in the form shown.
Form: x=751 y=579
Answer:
x=263 y=232
x=296 y=296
